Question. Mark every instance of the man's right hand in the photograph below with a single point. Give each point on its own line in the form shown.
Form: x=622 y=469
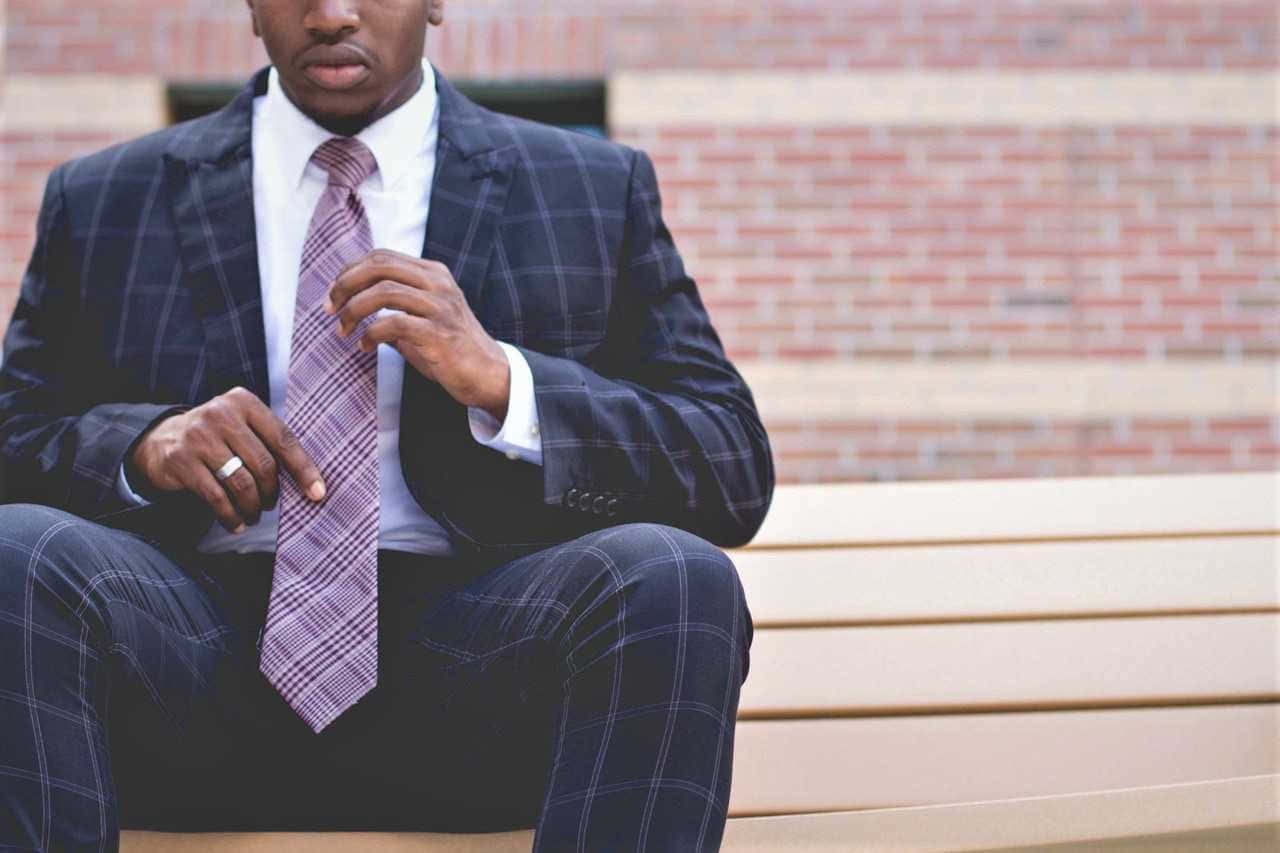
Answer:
x=182 y=452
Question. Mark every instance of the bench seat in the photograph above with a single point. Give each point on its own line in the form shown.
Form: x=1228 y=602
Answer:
x=920 y=645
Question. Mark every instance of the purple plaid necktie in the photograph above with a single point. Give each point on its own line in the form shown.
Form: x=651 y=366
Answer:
x=320 y=643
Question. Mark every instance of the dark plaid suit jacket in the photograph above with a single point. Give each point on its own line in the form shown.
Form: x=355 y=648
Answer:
x=142 y=295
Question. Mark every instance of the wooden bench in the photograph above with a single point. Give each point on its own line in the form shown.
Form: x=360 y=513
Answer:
x=1018 y=646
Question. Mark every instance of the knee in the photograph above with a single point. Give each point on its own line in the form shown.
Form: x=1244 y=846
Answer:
x=677 y=576
x=24 y=528
x=33 y=544
x=663 y=592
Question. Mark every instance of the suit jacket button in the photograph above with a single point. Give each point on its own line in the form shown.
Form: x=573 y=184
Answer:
x=571 y=498
x=597 y=506
x=584 y=501
x=611 y=508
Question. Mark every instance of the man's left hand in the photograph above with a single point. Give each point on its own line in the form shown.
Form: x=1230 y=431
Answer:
x=437 y=332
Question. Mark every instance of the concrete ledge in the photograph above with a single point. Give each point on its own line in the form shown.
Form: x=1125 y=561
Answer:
x=943 y=97
x=82 y=102
x=1075 y=389
x=42 y=102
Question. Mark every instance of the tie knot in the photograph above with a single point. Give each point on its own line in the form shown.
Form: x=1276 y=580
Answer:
x=347 y=160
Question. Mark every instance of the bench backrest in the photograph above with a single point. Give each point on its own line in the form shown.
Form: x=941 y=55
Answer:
x=937 y=642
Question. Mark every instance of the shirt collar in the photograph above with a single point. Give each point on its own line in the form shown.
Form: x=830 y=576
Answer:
x=396 y=139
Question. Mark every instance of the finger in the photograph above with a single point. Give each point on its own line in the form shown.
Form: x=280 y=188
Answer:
x=374 y=267
x=376 y=256
x=199 y=480
x=258 y=462
x=241 y=486
x=396 y=328
x=384 y=294
x=281 y=443
x=289 y=450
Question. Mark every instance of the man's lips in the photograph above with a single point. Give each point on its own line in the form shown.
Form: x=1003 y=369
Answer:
x=331 y=76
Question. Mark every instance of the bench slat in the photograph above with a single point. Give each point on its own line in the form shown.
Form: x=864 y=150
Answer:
x=922 y=583
x=1075 y=662
x=837 y=765
x=1127 y=813
x=1012 y=510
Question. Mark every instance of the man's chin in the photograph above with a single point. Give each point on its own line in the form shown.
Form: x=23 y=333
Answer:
x=342 y=119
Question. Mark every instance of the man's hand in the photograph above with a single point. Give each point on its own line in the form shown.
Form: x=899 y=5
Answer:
x=182 y=452
x=437 y=332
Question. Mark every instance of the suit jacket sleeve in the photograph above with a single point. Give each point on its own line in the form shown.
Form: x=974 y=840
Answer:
x=59 y=445
x=662 y=422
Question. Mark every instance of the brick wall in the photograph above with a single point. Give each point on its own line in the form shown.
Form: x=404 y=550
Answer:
x=195 y=38
x=978 y=242
x=959 y=243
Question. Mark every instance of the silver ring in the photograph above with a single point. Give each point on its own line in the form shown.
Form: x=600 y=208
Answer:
x=234 y=464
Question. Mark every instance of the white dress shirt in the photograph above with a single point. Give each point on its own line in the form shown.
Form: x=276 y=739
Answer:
x=397 y=199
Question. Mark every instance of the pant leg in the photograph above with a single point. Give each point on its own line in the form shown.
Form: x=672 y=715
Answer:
x=240 y=761
x=640 y=633
x=84 y=608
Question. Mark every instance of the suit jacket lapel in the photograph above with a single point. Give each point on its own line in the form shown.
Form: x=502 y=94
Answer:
x=209 y=176
x=468 y=194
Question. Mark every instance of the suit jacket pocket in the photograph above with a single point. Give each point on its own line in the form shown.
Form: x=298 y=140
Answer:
x=573 y=336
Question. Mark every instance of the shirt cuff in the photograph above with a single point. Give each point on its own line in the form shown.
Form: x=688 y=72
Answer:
x=518 y=435
x=126 y=492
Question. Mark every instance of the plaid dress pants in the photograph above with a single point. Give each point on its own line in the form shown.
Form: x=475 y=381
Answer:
x=589 y=690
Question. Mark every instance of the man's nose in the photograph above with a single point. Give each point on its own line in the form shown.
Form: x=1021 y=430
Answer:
x=331 y=18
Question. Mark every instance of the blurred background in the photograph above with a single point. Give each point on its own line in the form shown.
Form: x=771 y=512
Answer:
x=942 y=239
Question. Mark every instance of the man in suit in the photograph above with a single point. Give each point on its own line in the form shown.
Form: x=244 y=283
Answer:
x=362 y=454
